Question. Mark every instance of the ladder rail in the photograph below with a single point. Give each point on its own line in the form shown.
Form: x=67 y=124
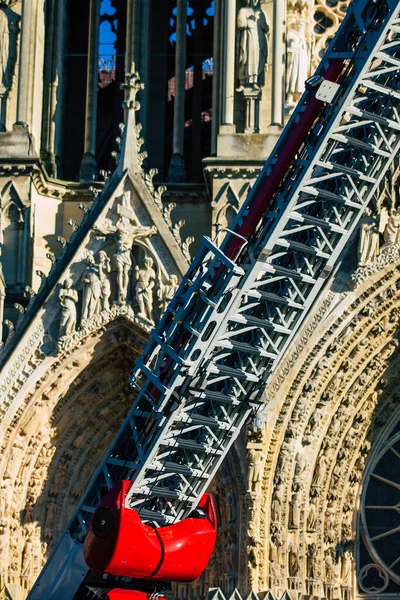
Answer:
x=231 y=321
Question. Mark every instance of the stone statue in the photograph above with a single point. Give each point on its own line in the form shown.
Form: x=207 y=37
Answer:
x=123 y=263
x=368 y=245
x=91 y=288
x=167 y=291
x=293 y=560
x=27 y=557
x=8 y=47
x=146 y=280
x=276 y=504
x=255 y=469
x=123 y=260
x=294 y=512
x=311 y=559
x=346 y=568
x=50 y=521
x=312 y=516
x=104 y=270
x=68 y=299
x=319 y=472
x=297 y=61
x=391 y=233
x=253 y=45
x=329 y=565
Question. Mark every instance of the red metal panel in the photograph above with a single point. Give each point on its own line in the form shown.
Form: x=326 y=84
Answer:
x=119 y=543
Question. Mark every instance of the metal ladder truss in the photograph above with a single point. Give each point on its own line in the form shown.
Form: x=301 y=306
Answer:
x=205 y=368
x=206 y=365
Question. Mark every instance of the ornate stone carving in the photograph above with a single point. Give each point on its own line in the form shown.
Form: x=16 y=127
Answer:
x=296 y=61
x=368 y=245
x=91 y=287
x=253 y=45
x=167 y=291
x=145 y=282
x=104 y=265
x=68 y=299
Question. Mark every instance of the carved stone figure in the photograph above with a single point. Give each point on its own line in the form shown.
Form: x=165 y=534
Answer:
x=293 y=560
x=27 y=557
x=253 y=45
x=391 y=232
x=50 y=521
x=68 y=299
x=276 y=504
x=294 y=512
x=146 y=280
x=104 y=270
x=167 y=291
x=311 y=560
x=91 y=288
x=330 y=566
x=319 y=472
x=297 y=61
x=312 y=517
x=8 y=47
x=346 y=568
x=368 y=245
x=123 y=260
x=123 y=263
x=255 y=468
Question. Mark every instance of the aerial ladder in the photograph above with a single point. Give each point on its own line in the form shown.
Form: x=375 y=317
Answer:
x=146 y=517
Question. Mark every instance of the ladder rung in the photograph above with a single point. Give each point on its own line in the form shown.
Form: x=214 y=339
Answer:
x=370 y=116
x=262 y=323
x=232 y=372
x=247 y=348
x=214 y=396
x=172 y=467
x=197 y=419
x=378 y=87
x=284 y=243
x=191 y=445
x=165 y=492
x=270 y=297
x=338 y=168
x=153 y=515
x=290 y=273
x=302 y=218
x=341 y=137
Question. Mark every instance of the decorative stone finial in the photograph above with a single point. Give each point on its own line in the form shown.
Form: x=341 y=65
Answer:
x=132 y=86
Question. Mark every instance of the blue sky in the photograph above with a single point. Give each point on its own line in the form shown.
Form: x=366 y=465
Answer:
x=107 y=37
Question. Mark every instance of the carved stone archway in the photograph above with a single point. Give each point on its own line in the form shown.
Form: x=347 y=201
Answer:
x=56 y=442
x=334 y=392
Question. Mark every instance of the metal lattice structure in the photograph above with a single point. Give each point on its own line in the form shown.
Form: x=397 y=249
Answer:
x=233 y=317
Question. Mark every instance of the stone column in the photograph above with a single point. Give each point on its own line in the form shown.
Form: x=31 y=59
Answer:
x=52 y=123
x=216 y=77
x=229 y=32
x=131 y=37
x=25 y=63
x=144 y=61
x=176 y=170
x=278 y=63
x=88 y=170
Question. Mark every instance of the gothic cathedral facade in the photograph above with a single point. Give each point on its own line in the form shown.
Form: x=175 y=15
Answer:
x=129 y=129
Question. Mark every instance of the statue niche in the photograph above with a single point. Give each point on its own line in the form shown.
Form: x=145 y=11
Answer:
x=253 y=45
x=253 y=33
x=9 y=29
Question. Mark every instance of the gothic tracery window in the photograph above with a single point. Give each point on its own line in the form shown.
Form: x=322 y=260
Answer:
x=328 y=14
x=378 y=566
